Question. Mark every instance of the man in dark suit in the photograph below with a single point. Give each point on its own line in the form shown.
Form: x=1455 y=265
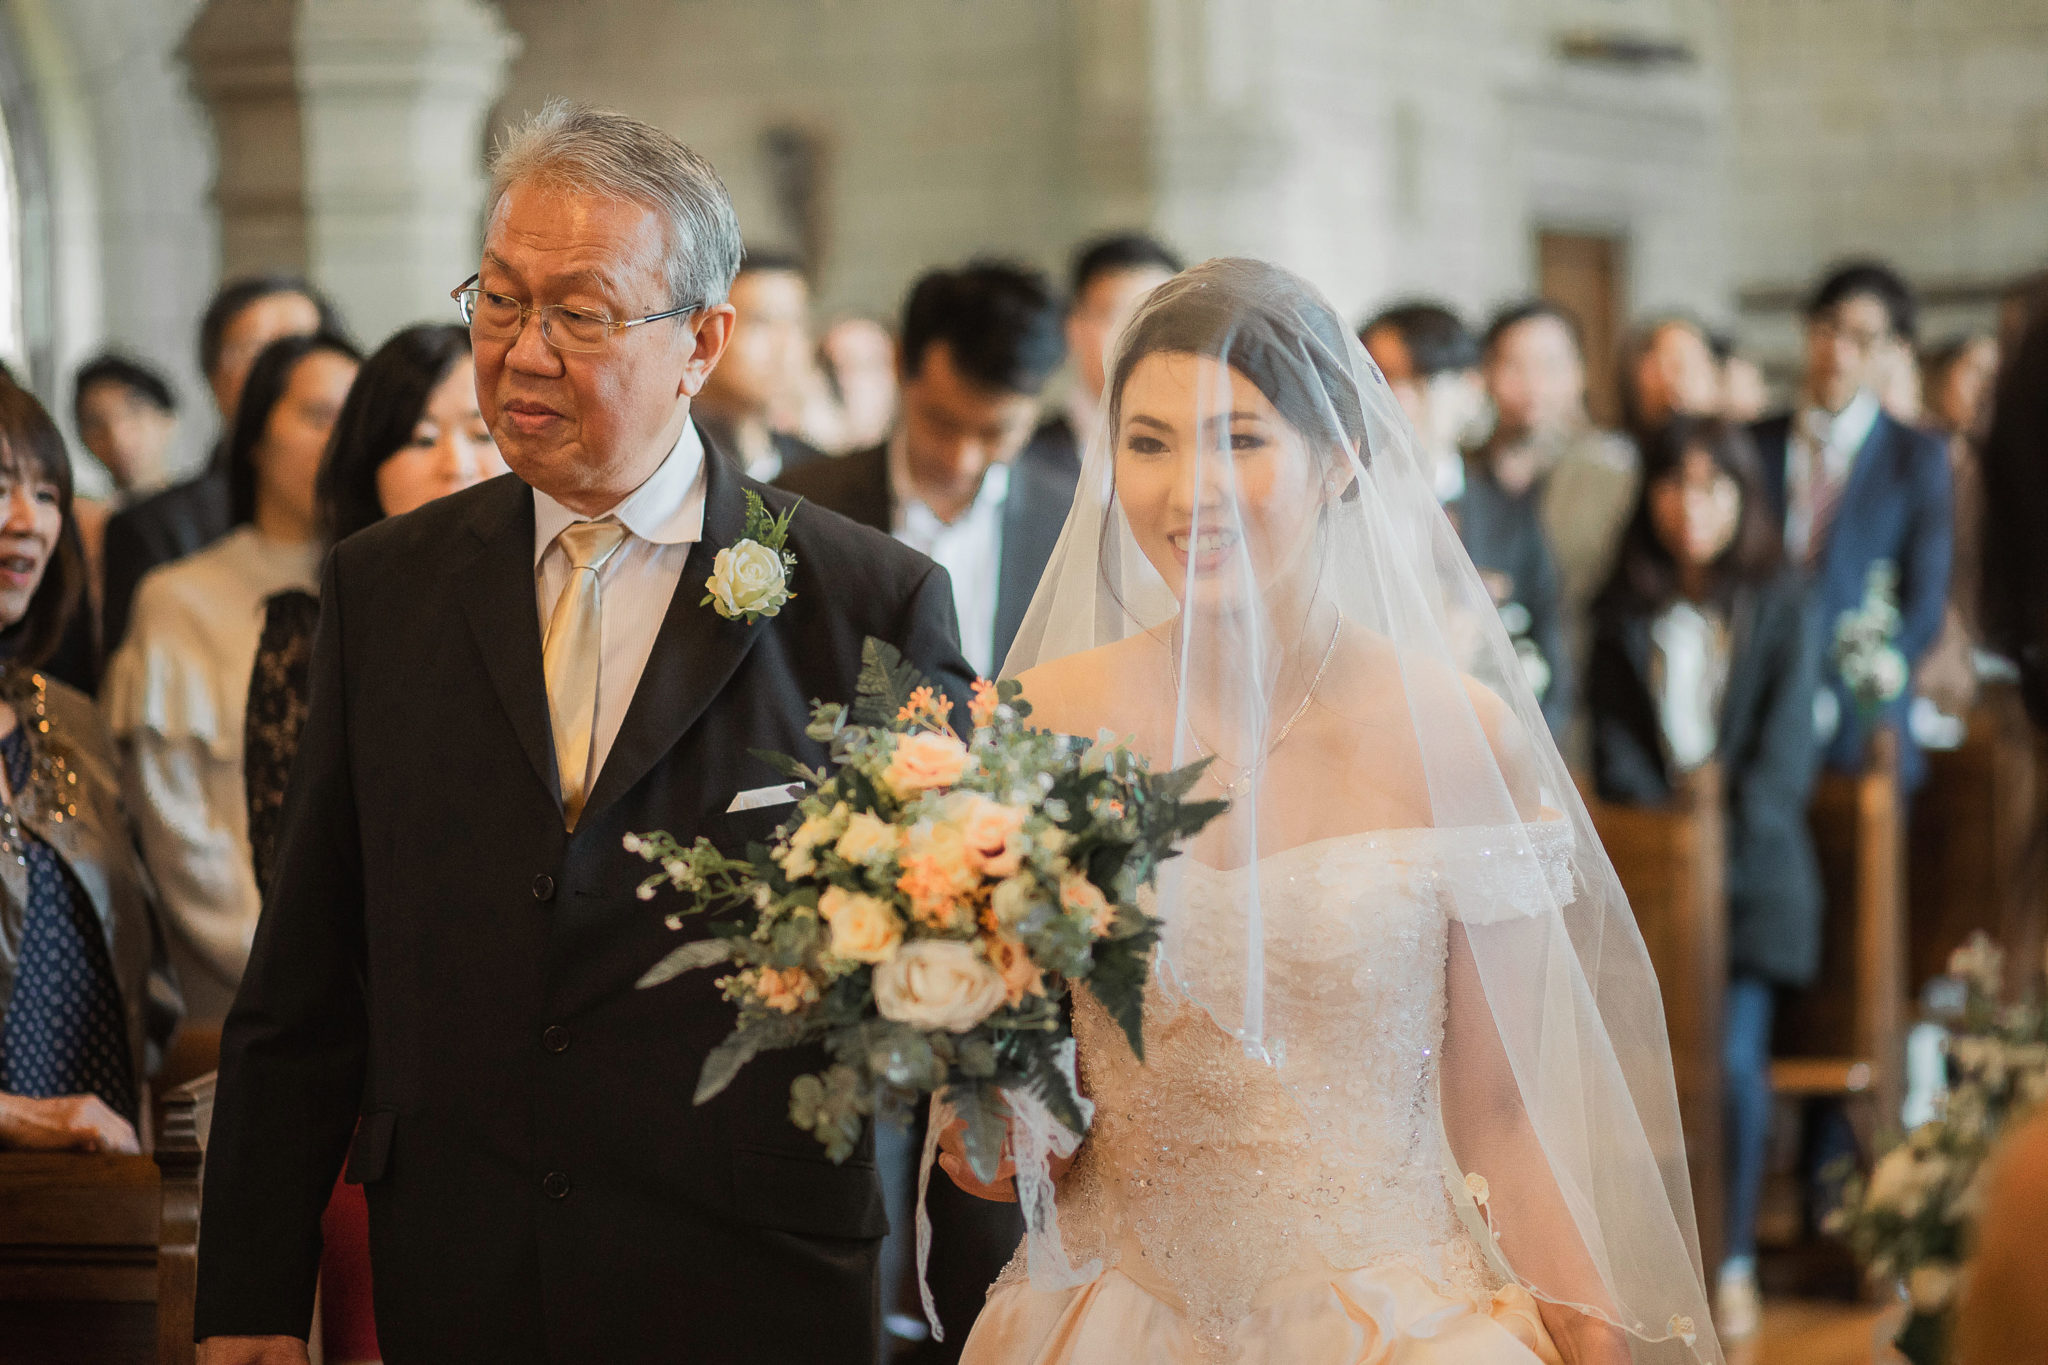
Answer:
x=245 y=316
x=1111 y=276
x=1857 y=488
x=957 y=478
x=445 y=966
x=771 y=345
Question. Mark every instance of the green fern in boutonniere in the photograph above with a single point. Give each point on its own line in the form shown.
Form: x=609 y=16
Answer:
x=750 y=577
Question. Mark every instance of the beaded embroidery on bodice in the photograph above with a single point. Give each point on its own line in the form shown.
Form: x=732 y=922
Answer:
x=1208 y=1174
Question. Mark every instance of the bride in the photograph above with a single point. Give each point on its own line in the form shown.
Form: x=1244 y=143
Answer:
x=1406 y=1094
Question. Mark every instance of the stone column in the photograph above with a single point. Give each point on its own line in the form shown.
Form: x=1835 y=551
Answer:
x=351 y=138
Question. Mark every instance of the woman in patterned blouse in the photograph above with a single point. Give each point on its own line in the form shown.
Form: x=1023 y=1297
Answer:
x=86 y=997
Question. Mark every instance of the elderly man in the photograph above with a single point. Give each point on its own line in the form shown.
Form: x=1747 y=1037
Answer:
x=506 y=683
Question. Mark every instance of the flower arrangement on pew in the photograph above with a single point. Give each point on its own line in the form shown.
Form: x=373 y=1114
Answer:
x=1911 y=1222
x=929 y=906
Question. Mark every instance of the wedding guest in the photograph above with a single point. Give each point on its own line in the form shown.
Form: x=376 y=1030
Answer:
x=954 y=480
x=1555 y=480
x=769 y=353
x=1668 y=370
x=1700 y=652
x=87 y=1000
x=1856 y=489
x=858 y=359
x=1957 y=385
x=176 y=690
x=126 y=417
x=1430 y=359
x=1745 y=394
x=410 y=431
x=245 y=316
x=1109 y=276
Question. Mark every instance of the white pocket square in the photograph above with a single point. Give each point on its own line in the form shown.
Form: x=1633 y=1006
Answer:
x=760 y=798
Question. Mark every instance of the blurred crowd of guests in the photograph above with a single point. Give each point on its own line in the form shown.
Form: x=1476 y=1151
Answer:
x=1673 y=589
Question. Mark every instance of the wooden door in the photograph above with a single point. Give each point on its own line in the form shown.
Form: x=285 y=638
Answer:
x=1587 y=275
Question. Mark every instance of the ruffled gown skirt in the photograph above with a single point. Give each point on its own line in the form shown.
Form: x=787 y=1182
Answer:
x=1383 y=1314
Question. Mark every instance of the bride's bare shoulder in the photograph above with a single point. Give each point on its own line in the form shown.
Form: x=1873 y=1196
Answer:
x=1081 y=693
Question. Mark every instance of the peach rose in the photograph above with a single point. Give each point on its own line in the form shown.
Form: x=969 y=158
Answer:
x=864 y=928
x=994 y=833
x=923 y=761
x=938 y=984
x=1013 y=963
x=938 y=872
x=1079 y=896
x=787 y=989
x=869 y=839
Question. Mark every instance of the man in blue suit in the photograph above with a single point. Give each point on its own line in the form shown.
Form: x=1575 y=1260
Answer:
x=1858 y=488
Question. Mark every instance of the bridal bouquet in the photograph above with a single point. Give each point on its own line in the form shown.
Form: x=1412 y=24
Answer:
x=1911 y=1222
x=928 y=907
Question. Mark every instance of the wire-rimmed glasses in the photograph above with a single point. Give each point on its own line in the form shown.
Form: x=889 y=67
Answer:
x=500 y=317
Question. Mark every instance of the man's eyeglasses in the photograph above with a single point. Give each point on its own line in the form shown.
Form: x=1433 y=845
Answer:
x=500 y=317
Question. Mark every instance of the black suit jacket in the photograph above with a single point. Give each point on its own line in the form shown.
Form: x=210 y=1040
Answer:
x=1058 y=445
x=444 y=971
x=1041 y=492
x=794 y=451
x=183 y=519
x=1768 y=755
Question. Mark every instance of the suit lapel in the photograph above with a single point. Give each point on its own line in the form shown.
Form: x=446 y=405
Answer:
x=694 y=655
x=1867 y=474
x=501 y=605
x=1032 y=523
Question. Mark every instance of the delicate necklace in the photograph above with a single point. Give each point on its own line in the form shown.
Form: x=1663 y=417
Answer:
x=1250 y=774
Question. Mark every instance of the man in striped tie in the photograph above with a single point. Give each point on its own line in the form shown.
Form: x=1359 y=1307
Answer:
x=1859 y=490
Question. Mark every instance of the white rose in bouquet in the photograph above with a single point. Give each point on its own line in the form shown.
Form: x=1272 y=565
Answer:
x=938 y=984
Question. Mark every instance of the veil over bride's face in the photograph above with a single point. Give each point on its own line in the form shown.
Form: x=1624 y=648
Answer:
x=1220 y=491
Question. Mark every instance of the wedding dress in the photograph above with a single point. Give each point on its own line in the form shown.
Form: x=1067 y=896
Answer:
x=1406 y=1094
x=1231 y=1225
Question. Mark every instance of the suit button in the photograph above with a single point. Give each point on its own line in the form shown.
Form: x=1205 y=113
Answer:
x=555 y=1038
x=543 y=887
x=555 y=1185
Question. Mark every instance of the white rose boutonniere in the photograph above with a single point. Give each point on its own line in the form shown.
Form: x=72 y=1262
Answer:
x=750 y=577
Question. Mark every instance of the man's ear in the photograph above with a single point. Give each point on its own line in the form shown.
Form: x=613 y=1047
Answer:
x=711 y=333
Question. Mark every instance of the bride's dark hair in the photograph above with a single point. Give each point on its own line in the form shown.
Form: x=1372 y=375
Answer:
x=1270 y=326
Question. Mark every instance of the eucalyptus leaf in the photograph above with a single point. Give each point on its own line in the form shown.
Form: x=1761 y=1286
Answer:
x=744 y=1043
x=703 y=952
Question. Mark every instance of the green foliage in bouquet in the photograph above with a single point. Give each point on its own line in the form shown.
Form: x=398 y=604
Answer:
x=929 y=907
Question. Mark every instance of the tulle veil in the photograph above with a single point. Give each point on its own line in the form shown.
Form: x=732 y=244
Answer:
x=1340 y=662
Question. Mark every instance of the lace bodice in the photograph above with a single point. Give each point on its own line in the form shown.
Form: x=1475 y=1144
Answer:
x=1209 y=1174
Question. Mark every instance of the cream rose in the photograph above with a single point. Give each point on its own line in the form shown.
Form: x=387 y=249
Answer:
x=864 y=928
x=995 y=834
x=1013 y=900
x=938 y=984
x=747 y=577
x=925 y=760
x=869 y=839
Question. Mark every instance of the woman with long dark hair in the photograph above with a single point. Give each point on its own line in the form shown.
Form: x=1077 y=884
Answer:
x=410 y=432
x=176 y=689
x=86 y=997
x=1700 y=652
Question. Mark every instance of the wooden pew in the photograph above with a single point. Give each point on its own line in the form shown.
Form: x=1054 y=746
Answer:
x=1975 y=858
x=78 y=1258
x=1672 y=863
x=1845 y=1036
x=181 y=1154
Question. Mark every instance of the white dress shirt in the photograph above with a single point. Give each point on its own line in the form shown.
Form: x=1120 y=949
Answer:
x=1691 y=678
x=665 y=517
x=970 y=548
x=1846 y=431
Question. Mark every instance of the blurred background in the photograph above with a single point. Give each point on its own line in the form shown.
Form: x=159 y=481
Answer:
x=1621 y=156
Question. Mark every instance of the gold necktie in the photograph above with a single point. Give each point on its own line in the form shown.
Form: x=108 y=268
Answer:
x=569 y=657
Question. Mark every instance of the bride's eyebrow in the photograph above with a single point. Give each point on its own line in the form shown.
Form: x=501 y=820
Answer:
x=1142 y=419
x=1223 y=418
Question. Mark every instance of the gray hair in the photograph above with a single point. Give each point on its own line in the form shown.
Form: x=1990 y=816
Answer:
x=585 y=150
